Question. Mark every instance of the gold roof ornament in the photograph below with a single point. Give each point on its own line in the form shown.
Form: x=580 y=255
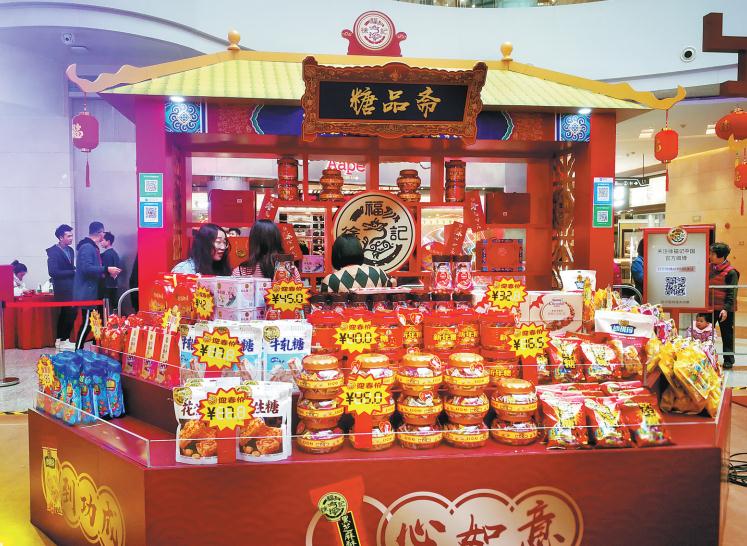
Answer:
x=506 y=49
x=233 y=40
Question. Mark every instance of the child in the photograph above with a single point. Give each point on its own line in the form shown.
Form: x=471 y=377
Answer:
x=702 y=331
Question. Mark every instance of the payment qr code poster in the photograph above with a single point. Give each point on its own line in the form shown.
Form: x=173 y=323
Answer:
x=151 y=215
x=676 y=267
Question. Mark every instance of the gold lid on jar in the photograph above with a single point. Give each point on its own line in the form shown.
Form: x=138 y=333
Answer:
x=372 y=360
x=512 y=385
x=420 y=360
x=465 y=360
x=316 y=362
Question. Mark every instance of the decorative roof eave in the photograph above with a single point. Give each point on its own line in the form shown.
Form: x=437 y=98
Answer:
x=127 y=74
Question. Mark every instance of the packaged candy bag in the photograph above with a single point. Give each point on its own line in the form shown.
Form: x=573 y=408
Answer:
x=605 y=418
x=71 y=393
x=87 y=399
x=573 y=280
x=249 y=367
x=564 y=360
x=601 y=362
x=565 y=421
x=98 y=389
x=642 y=416
x=113 y=383
x=267 y=436
x=284 y=344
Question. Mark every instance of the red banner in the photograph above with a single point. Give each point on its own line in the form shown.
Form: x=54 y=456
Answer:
x=454 y=235
x=290 y=241
x=269 y=208
x=474 y=214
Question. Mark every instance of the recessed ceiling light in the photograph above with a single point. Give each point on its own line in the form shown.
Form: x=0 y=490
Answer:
x=584 y=111
x=176 y=98
x=646 y=134
x=79 y=49
x=711 y=129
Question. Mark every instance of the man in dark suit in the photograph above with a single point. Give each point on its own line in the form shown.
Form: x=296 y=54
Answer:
x=61 y=268
x=110 y=258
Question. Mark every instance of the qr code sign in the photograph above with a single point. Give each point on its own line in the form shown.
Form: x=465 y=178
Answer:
x=603 y=216
x=150 y=214
x=675 y=286
x=151 y=186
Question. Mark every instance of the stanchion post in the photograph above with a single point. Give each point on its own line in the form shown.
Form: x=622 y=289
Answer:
x=4 y=381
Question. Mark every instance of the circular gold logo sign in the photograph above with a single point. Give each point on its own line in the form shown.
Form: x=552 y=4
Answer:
x=333 y=506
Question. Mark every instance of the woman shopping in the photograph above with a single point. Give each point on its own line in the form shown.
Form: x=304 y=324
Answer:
x=209 y=253
x=265 y=243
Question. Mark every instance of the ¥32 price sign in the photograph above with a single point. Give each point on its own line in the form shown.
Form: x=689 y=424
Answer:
x=217 y=349
x=356 y=336
x=529 y=340
x=226 y=410
x=287 y=296
x=506 y=293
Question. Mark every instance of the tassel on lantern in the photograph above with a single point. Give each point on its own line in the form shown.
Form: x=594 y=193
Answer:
x=88 y=174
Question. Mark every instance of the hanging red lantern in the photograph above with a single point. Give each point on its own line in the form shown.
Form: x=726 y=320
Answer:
x=734 y=123
x=740 y=180
x=666 y=146
x=85 y=131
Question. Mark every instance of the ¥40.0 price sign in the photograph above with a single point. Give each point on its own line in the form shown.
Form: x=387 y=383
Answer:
x=226 y=409
x=506 y=294
x=356 y=336
x=203 y=303
x=217 y=349
x=363 y=394
x=287 y=296
x=529 y=340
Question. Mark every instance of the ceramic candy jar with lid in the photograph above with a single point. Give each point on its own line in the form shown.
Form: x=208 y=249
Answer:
x=408 y=183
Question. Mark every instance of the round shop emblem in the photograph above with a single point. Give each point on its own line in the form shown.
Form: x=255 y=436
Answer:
x=333 y=506
x=271 y=332
x=383 y=225
x=677 y=236
x=374 y=30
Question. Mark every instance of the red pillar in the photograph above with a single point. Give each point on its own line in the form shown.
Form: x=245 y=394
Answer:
x=538 y=251
x=155 y=246
x=594 y=247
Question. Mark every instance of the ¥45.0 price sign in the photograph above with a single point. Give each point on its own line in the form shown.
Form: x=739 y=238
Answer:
x=363 y=394
x=529 y=340
x=226 y=409
x=217 y=349
x=505 y=293
x=287 y=296
x=356 y=336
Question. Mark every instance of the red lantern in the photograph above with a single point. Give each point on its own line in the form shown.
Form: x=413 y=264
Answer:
x=734 y=123
x=85 y=131
x=666 y=146
x=740 y=180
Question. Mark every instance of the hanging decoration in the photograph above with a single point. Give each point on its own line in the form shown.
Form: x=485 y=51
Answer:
x=732 y=124
x=85 y=132
x=666 y=144
x=740 y=179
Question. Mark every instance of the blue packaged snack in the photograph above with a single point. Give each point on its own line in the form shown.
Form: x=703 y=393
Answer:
x=59 y=362
x=114 y=396
x=72 y=392
x=98 y=384
x=87 y=401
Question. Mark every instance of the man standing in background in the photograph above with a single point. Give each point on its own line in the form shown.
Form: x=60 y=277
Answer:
x=61 y=268
x=724 y=299
x=110 y=258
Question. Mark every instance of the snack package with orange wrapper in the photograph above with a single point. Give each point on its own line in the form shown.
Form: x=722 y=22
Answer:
x=605 y=418
x=267 y=435
x=564 y=421
x=601 y=362
x=644 y=420
x=565 y=362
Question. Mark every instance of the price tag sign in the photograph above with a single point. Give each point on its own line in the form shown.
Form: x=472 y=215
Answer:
x=356 y=336
x=226 y=410
x=94 y=321
x=529 y=340
x=203 y=303
x=171 y=319
x=287 y=296
x=363 y=394
x=45 y=373
x=217 y=349
x=506 y=294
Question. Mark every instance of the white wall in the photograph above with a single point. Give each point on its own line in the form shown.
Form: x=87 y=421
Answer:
x=35 y=187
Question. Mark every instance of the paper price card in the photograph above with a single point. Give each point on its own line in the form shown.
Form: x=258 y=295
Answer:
x=356 y=336
x=287 y=296
x=529 y=340
x=203 y=302
x=363 y=394
x=226 y=410
x=171 y=319
x=506 y=293
x=217 y=349
x=45 y=373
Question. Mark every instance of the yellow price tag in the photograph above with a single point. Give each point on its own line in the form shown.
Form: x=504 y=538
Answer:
x=363 y=394
x=226 y=409
x=171 y=319
x=356 y=336
x=203 y=302
x=287 y=296
x=529 y=340
x=94 y=321
x=217 y=349
x=45 y=373
x=506 y=293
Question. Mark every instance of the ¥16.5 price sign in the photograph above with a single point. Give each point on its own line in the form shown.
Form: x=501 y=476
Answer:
x=226 y=409
x=506 y=293
x=529 y=340
x=363 y=394
x=203 y=302
x=287 y=296
x=217 y=349
x=356 y=336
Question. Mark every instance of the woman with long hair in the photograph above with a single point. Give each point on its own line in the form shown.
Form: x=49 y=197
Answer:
x=209 y=253
x=265 y=243
x=350 y=271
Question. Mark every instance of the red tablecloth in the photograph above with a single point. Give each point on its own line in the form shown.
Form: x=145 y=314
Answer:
x=31 y=328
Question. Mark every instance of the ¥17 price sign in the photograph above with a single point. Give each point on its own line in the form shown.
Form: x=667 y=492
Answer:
x=218 y=349
x=226 y=409
x=506 y=293
x=356 y=336
x=529 y=340
x=287 y=296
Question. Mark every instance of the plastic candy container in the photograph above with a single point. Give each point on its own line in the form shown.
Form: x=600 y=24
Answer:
x=422 y=409
x=319 y=441
x=442 y=302
x=515 y=434
x=419 y=436
x=390 y=329
x=440 y=331
x=463 y=273
x=514 y=400
x=442 y=281
x=468 y=331
x=466 y=374
x=380 y=303
x=324 y=326
x=419 y=372
x=321 y=377
x=495 y=329
x=501 y=364
x=382 y=437
x=374 y=364
x=319 y=414
x=467 y=410
x=465 y=436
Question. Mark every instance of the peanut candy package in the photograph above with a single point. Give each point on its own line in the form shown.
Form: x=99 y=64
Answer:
x=196 y=441
x=267 y=435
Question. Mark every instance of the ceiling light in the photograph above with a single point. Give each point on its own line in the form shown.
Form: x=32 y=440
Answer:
x=176 y=98
x=711 y=129
x=584 y=111
x=646 y=133
x=79 y=49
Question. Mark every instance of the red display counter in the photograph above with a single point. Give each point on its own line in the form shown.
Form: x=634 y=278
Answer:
x=119 y=484
x=30 y=327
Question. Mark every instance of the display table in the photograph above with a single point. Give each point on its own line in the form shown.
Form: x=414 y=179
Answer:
x=31 y=327
x=130 y=489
